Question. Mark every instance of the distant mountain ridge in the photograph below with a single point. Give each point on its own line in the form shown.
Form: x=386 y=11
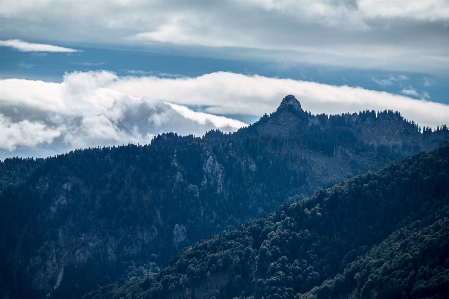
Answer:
x=385 y=128
x=113 y=212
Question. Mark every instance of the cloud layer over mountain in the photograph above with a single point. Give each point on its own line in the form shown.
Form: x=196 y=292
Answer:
x=100 y=108
x=229 y=94
x=41 y=118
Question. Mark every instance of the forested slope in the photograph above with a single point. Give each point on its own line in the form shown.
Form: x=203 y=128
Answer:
x=96 y=216
x=377 y=235
x=16 y=171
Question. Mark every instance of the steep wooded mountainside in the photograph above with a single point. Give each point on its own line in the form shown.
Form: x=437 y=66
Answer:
x=15 y=171
x=377 y=235
x=91 y=217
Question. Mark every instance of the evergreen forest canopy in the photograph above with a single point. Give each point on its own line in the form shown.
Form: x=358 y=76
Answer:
x=377 y=235
x=93 y=217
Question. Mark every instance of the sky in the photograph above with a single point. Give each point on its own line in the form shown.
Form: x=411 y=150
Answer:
x=77 y=74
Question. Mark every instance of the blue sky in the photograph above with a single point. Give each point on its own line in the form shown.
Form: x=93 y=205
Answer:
x=90 y=73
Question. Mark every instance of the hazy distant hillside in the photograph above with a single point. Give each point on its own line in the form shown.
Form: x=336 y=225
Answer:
x=378 y=235
x=95 y=216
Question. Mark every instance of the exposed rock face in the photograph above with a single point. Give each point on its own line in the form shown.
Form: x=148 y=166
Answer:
x=179 y=234
x=213 y=174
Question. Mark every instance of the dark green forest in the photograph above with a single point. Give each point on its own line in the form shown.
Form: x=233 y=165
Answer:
x=377 y=235
x=15 y=171
x=93 y=217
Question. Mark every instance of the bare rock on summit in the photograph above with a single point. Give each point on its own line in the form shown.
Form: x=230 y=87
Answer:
x=290 y=101
x=285 y=120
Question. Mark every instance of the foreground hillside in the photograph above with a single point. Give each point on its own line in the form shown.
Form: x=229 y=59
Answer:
x=96 y=216
x=377 y=235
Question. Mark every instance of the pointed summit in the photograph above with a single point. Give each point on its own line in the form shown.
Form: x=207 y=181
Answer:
x=287 y=118
x=290 y=101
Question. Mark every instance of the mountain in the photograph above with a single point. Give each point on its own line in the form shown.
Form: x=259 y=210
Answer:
x=96 y=216
x=387 y=130
x=377 y=235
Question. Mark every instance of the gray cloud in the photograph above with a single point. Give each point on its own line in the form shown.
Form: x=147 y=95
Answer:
x=390 y=35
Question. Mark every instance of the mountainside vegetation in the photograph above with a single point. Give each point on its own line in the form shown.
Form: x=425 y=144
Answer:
x=377 y=235
x=15 y=171
x=96 y=216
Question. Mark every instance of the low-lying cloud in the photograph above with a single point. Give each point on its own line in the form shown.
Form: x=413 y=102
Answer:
x=40 y=118
x=229 y=94
x=99 y=108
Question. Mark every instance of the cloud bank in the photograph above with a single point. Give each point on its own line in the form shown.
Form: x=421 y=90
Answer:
x=41 y=118
x=403 y=35
x=32 y=47
x=99 y=108
x=229 y=94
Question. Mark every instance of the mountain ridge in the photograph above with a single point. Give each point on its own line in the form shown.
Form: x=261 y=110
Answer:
x=383 y=128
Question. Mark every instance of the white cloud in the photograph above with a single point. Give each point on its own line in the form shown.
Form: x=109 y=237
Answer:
x=391 y=80
x=84 y=111
x=427 y=82
x=410 y=91
x=31 y=47
x=100 y=108
x=383 y=82
x=205 y=118
x=24 y=133
x=229 y=93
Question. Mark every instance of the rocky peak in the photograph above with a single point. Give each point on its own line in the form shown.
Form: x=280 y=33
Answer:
x=290 y=101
